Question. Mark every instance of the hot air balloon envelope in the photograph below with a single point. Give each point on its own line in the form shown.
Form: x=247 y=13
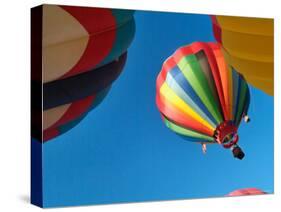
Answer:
x=200 y=97
x=246 y=191
x=84 y=50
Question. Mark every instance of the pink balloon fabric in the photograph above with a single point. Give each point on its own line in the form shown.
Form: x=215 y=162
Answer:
x=246 y=191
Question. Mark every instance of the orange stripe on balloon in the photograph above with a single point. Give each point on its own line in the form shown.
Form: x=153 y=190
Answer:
x=223 y=70
x=216 y=74
x=230 y=92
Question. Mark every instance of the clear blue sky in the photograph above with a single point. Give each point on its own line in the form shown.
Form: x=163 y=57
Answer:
x=122 y=152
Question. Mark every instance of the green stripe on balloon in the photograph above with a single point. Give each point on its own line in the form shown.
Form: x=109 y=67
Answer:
x=209 y=76
x=192 y=71
x=235 y=85
x=241 y=103
x=185 y=132
x=172 y=83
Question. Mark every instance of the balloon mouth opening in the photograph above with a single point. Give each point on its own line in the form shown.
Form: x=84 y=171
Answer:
x=226 y=134
x=230 y=140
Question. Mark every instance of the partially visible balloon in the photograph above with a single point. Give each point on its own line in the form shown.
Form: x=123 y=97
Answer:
x=84 y=51
x=201 y=98
x=248 y=47
x=61 y=92
x=246 y=191
x=67 y=101
x=79 y=39
x=75 y=113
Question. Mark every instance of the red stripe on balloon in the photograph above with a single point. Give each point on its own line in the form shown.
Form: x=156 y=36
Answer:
x=216 y=29
x=100 y=24
x=168 y=65
x=178 y=117
x=50 y=133
x=75 y=110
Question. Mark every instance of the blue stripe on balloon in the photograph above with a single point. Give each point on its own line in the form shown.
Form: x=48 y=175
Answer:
x=187 y=88
x=67 y=127
x=197 y=140
x=173 y=84
x=125 y=32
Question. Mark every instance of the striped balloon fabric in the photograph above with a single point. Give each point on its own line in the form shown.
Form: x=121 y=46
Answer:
x=84 y=50
x=248 y=46
x=200 y=97
x=80 y=39
x=70 y=116
x=246 y=191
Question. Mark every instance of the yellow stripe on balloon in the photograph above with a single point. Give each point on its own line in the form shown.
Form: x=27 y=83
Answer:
x=248 y=47
x=258 y=26
x=171 y=96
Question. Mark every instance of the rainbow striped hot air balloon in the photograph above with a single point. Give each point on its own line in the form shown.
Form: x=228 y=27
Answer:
x=83 y=51
x=202 y=98
x=248 y=47
x=246 y=191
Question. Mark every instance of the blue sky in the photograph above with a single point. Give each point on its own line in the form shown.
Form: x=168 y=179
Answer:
x=122 y=152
